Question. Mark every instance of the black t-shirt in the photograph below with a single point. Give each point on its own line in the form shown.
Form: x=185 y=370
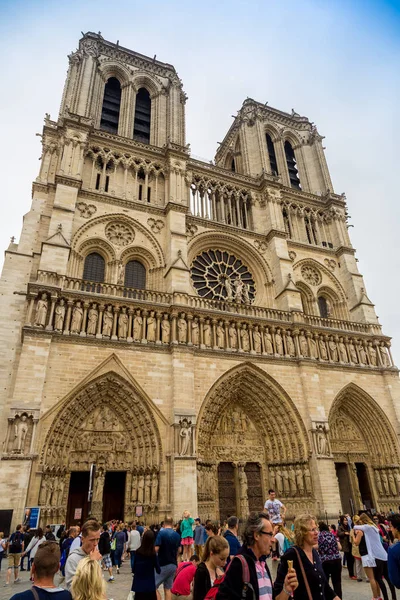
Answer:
x=44 y=594
x=16 y=540
x=168 y=541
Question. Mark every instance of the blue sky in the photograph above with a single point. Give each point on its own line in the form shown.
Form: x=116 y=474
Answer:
x=335 y=62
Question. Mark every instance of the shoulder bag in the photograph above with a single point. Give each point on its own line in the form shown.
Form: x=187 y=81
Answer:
x=303 y=574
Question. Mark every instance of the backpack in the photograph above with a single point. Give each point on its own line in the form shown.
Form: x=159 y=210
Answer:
x=16 y=543
x=213 y=591
x=286 y=544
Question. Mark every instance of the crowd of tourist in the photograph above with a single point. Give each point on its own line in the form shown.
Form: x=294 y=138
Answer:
x=192 y=560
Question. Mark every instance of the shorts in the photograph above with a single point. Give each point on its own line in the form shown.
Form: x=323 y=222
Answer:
x=368 y=561
x=166 y=577
x=107 y=561
x=14 y=560
x=187 y=541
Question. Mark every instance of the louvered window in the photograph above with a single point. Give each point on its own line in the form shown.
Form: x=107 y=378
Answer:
x=141 y=128
x=292 y=166
x=135 y=275
x=272 y=155
x=94 y=268
x=111 y=106
x=323 y=307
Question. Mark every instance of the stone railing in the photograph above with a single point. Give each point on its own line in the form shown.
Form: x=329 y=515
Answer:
x=76 y=313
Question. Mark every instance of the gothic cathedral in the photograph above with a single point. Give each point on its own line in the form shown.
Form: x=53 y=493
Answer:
x=198 y=331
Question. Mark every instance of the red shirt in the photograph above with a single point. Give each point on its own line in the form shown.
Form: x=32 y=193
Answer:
x=183 y=579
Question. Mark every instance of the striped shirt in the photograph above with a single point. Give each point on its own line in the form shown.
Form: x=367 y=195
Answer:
x=264 y=582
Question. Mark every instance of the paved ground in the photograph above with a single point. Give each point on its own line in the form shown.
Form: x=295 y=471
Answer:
x=352 y=590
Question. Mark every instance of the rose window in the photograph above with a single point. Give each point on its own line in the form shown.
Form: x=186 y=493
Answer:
x=311 y=275
x=219 y=275
x=119 y=234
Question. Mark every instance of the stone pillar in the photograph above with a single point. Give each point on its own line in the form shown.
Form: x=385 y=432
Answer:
x=115 y=323
x=100 y=321
x=158 y=327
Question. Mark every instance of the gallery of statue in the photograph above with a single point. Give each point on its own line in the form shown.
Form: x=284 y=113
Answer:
x=199 y=331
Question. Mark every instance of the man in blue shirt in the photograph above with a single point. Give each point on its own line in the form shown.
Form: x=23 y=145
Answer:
x=394 y=551
x=231 y=536
x=167 y=547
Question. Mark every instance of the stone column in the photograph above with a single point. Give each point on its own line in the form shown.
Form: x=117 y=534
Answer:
x=115 y=323
x=99 y=335
x=129 y=337
x=189 y=318
x=173 y=328
x=252 y=351
x=201 y=322
x=144 y=315
x=214 y=335
x=295 y=333
x=226 y=327
x=158 y=327
x=239 y=328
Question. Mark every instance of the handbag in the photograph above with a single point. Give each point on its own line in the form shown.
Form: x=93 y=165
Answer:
x=303 y=574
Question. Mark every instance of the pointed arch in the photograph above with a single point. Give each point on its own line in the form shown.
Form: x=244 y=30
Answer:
x=366 y=417
x=269 y=407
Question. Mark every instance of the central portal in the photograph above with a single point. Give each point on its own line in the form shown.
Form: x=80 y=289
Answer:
x=114 y=496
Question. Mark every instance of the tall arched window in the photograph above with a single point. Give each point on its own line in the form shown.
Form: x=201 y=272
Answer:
x=272 y=156
x=233 y=165
x=323 y=307
x=111 y=106
x=94 y=268
x=141 y=127
x=286 y=222
x=292 y=166
x=135 y=275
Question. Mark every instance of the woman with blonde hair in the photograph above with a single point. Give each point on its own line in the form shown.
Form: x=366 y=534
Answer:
x=373 y=556
x=284 y=537
x=88 y=582
x=216 y=552
x=355 y=550
x=187 y=535
x=306 y=562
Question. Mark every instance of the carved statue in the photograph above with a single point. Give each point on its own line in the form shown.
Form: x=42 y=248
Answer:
x=363 y=355
x=244 y=334
x=299 y=480
x=151 y=327
x=123 y=324
x=285 y=481
x=41 y=311
x=307 y=480
x=303 y=345
x=108 y=319
x=342 y=351
x=50 y=491
x=154 y=488
x=134 y=487
x=279 y=481
x=313 y=348
x=292 y=481
x=246 y=293
x=20 y=432
x=372 y=355
x=182 y=329
x=43 y=492
x=137 y=326
x=220 y=335
x=290 y=345
x=385 y=483
x=140 y=489
x=93 y=318
x=165 y=329
x=378 y=483
x=269 y=348
x=228 y=288
x=147 y=489
x=185 y=433
x=207 y=333
x=257 y=340
x=397 y=478
x=99 y=486
x=195 y=332
x=59 y=315
x=271 y=477
x=353 y=354
x=384 y=355
x=392 y=483
x=232 y=336
x=322 y=441
x=238 y=283
x=244 y=501
x=120 y=279
x=333 y=350
x=322 y=349
x=77 y=316
x=278 y=342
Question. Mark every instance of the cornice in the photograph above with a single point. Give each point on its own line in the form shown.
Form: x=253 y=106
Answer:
x=118 y=201
x=103 y=137
x=315 y=249
x=173 y=206
x=217 y=225
x=38 y=186
x=345 y=250
x=273 y=233
x=69 y=181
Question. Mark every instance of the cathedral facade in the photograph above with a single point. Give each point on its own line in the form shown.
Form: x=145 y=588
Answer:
x=198 y=331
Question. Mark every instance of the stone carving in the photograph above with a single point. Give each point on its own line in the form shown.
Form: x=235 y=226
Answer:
x=257 y=340
x=119 y=233
x=154 y=488
x=299 y=480
x=182 y=329
x=140 y=489
x=313 y=348
x=165 y=329
x=372 y=354
x=77 y=316
x=385 y=483
x=261 y=246
x=307 y=480
x=362 y=354
x=244 y=334
x=99 y=486
x=151 y=327
x=333 y=349
x=195 y=332
x=232 y=333
x=185 y=435
x=321 y=440
x=108 y=319
x=41 y=311
x=378 y=483
x=155 y=224
x=121 y=273
x=290 y=349
x=268 y=345
x=303 y=345
x=220 y=335
x=392 y=483
x=207 y=333
x=330 y=263
x=93 y=318
x=353 y=353
x=147 y=488
x=228 y=288
x=238 y=284
x=292 y=255
x=342 y=351
x=278 y=342
x=384 y=355
x=243 y=487
x=191 y=229
x=322 y=349
x=21 y=428
x=292 y=481
x=86 y=210
x=137 y=326
x=59 y=315
x=123 y=324
x=311 y=275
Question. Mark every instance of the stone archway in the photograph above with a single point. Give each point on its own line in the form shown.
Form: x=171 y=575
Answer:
x=250 y=436
x=110 y=423
x=365 y=451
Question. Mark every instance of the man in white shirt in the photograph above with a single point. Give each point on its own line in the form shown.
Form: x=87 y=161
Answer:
x=276 y=511
x=133 y=543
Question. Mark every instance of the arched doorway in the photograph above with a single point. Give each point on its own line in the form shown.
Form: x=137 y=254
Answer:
x=365 y=451
x=110 y=424
x=251 y=437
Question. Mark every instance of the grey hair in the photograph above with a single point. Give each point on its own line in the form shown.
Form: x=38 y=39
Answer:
x=254 y=524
